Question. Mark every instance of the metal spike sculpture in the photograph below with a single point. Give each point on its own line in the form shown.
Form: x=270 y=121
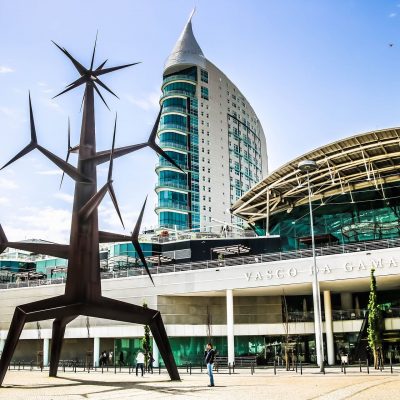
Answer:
x=83 y=285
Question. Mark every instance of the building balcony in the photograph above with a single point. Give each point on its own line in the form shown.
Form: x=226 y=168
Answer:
x=172 y=127
x=171 y=185
x=179 y=78
x=171 y=205
x=174 y=109
x=173 y=145
x=178 y=93
x=167 y=164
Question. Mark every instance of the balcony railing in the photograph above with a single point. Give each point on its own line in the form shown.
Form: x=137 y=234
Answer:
x=174 y=145
x=169 y=109
x=240 y=260
x=164 y=163
x=172 y=184
x=172 y=205
x=173 y=78
x=172 y=92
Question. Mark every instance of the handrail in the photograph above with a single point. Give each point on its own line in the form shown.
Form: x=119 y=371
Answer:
x=240 y=260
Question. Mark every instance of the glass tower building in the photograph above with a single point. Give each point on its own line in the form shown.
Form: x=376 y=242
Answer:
x=211 y=131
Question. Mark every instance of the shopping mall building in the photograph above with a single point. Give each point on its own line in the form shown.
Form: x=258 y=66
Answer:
x=251 y=299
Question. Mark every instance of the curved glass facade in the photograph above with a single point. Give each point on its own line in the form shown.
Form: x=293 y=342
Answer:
x=181 y=100
x=369 y=214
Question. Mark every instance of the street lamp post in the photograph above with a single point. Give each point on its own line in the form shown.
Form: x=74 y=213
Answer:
x=309 y=166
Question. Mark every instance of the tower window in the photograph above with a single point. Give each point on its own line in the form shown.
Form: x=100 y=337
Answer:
x=204 y=93
x=204 y=76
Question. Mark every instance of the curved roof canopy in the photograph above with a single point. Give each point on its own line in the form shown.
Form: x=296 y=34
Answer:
x=186 y=51
x=367 y=160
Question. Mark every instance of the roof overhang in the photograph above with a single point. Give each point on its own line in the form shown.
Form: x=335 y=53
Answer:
x=367 y=160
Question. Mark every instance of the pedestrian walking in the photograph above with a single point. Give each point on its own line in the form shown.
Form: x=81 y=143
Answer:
x=210 y=355
x=150 y=364
x=140 y=362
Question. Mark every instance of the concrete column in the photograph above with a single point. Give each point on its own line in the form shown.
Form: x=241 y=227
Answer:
x=156 y=355
x=229 y=326
x=329 y=327
x=96 y=351
x=346 y=300
x=46 y=346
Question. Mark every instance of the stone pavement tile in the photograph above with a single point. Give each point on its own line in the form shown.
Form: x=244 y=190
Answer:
x=263 y=385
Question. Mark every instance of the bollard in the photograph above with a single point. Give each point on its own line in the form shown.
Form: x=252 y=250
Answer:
x=367 y=366
x=115 y=368
x=323 y=363
x=229 y=368
x=159 y=369
x=19 y=365
x=102 y=368
x=201 y=367
x=63 y=366
x=296 y=365
x=341 y=366
x=233 y=367
x=190 y=368
x=274 y=367
x=301 y=368
x=31 y=365
x=359 y=360
x=344 y=368
x=187 y=367
x=391 y=365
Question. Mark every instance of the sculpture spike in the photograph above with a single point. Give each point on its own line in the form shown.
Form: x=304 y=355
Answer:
x=102 y=98
x=101 y=65
x=110 y=170
x=3 y=240
x=80 y=68
x=33 y=143
x=152 y=143
x=112 y=69
x=68 y=150
x=136 y=244
x=94 y=51
x=99 y=82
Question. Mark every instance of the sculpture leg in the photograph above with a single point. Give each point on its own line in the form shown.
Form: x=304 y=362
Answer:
x=17 y=324
x=57 y=338
x=120 y=311
x=160 y=336
x=36 y=311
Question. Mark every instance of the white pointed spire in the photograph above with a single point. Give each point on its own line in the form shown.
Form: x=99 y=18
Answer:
x=186 y=51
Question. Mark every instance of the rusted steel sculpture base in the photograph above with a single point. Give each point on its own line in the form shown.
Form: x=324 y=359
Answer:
x=83 y=285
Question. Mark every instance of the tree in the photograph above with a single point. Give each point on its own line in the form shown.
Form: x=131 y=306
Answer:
x=146 y=344
x=374 y=322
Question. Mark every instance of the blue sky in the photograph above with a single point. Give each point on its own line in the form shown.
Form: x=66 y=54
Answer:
x=315 y=71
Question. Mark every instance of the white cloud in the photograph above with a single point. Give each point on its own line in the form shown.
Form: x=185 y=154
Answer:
x=40 y=223
x=12 y=113
x=68 y=198
x=4 y=200
x=7 y=184
x=50 y=172
x=5 y=70
x=392 y=15
x=148 y=102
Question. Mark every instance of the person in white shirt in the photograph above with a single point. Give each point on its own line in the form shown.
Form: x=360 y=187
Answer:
x=140 y=362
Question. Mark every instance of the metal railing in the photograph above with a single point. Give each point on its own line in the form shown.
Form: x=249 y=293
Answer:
x=239 y=260
x=179 y=78
x=171 y=184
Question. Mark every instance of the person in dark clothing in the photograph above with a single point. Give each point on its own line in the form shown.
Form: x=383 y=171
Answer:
x=210 y=355
x=150 y=363
x=121 y=359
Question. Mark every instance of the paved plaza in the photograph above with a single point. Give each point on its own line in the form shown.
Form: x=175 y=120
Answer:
x=242 y=385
